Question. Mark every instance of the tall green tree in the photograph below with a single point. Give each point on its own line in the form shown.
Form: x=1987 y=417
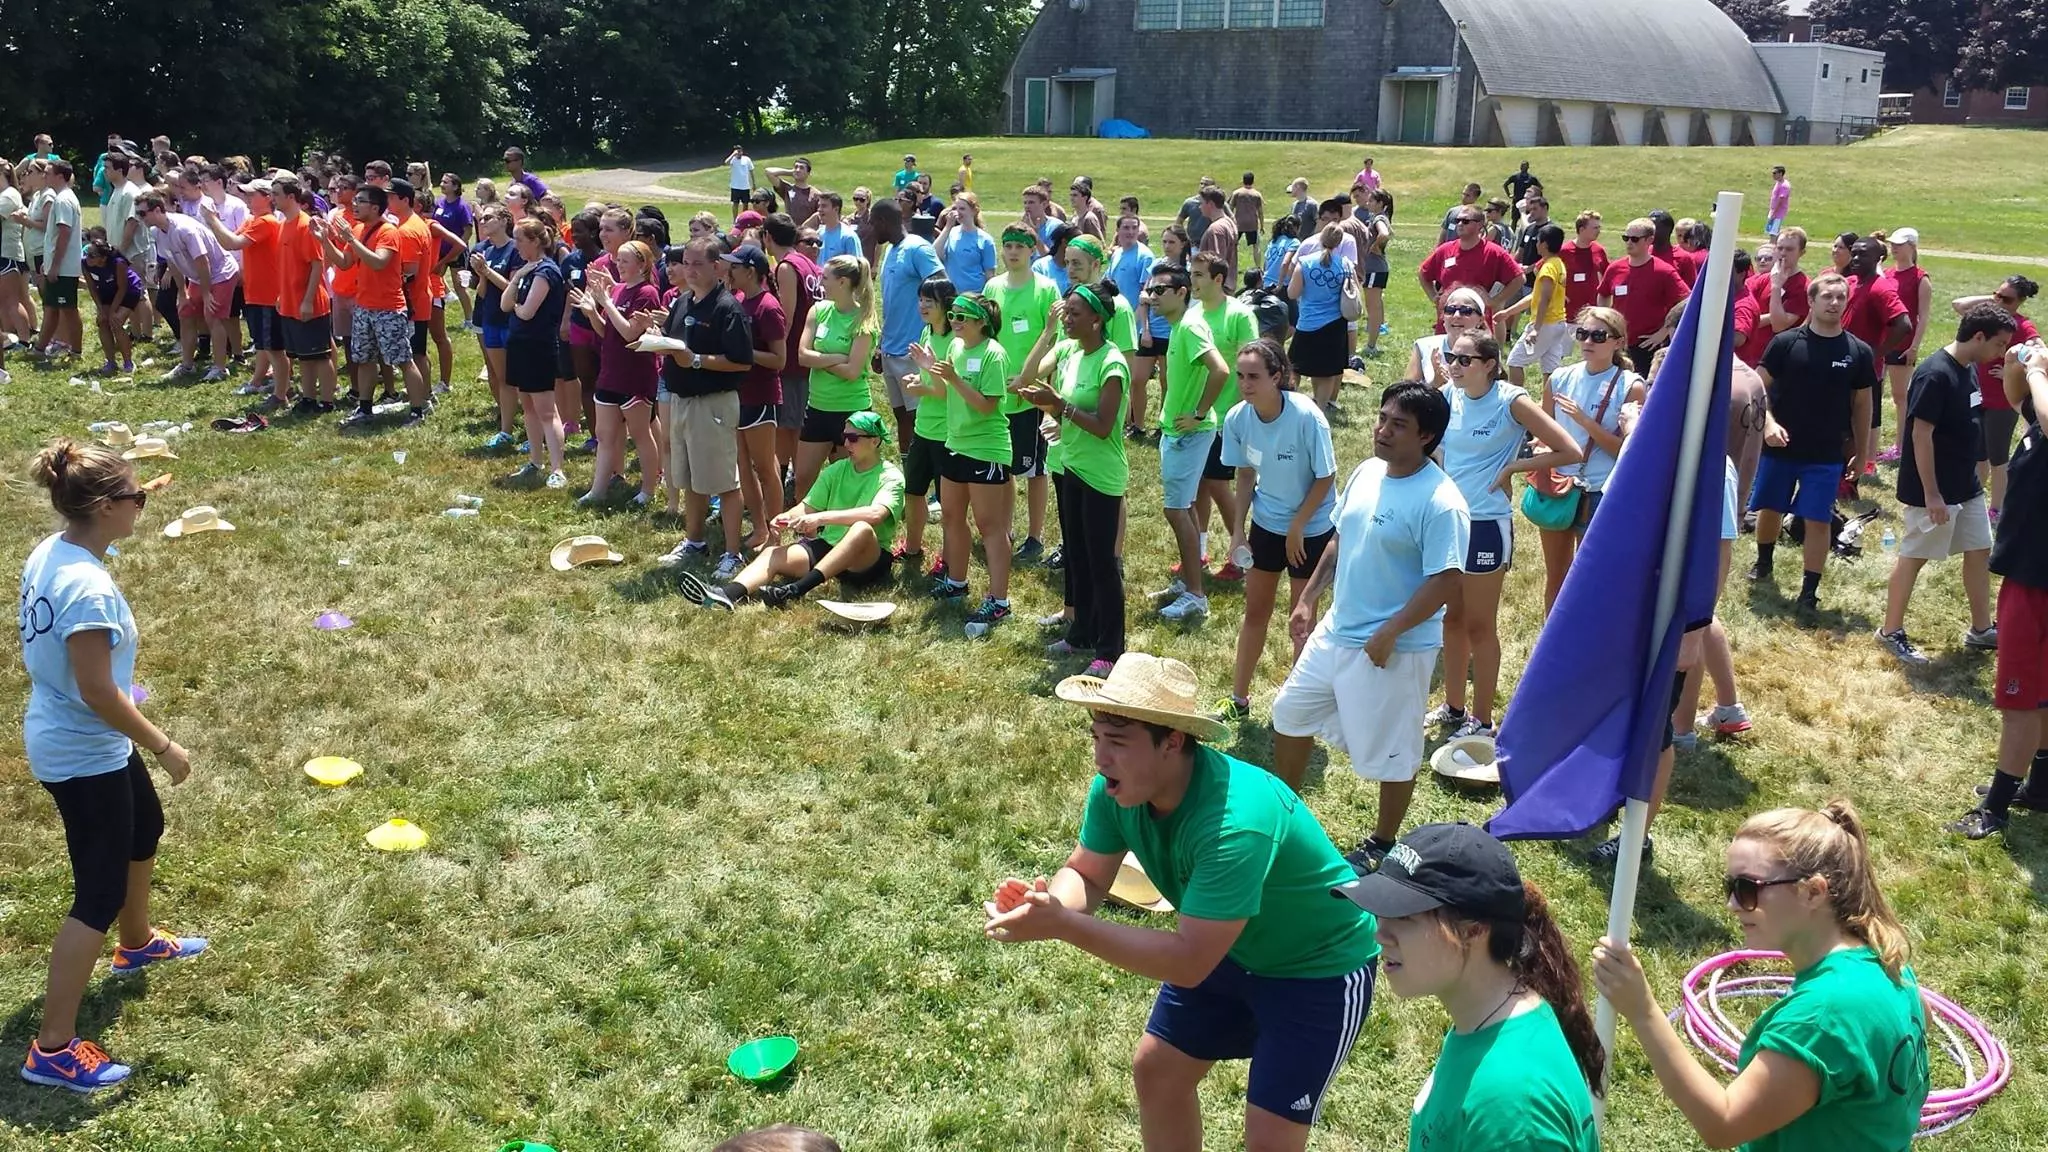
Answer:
x=1921 y=39
x=2009 y=47
x=1761 y=20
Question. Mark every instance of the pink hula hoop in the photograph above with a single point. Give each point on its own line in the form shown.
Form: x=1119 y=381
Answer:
x=1986 y=1065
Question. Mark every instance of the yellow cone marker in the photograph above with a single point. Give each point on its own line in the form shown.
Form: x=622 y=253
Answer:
x=396 y=835
x=333 y=771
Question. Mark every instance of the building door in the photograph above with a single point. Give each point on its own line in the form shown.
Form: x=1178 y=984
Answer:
x=1083 y=107
x=1418 y=111
x=1035 y=92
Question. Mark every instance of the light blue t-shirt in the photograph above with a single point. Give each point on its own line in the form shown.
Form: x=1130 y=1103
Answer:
x=1483 y=439
x=1130 y=268
x=1291 y=453
x=1322 y=290
x=1587 y=391
x=970 y=259
x=840 y=241
x=66 y=590
x=1391 y=536
x=1276 y=257
x=904 y=268
x=1057 y=273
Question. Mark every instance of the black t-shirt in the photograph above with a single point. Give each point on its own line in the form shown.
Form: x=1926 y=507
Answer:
x=1813 y=380
x=2019 y=550
x=713 y=326
x=1525 y=242
x=1943 y=395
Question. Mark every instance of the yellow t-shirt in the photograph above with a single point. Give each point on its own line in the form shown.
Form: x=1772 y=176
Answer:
x=1551 y=270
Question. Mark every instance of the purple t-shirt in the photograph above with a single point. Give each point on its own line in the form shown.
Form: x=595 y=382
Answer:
x=619 y=368
x=457 y=217
x=533 y=184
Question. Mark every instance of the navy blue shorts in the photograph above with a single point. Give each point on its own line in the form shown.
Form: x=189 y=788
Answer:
x=1295 y=1032
x=1804 y=489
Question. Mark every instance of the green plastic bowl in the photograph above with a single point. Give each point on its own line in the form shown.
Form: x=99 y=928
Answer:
x=526 y=1146
x=762 y=1060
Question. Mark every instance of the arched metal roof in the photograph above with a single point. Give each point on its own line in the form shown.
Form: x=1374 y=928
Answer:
x=1673 y=53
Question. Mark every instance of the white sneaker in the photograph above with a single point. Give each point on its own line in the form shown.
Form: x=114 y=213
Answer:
x=1472 y=727
x=557 y=480
x=681 y=553
x=1186 y=606
x=728 y=567
x=5 y=378
x=1171 y=592
x=214 y=376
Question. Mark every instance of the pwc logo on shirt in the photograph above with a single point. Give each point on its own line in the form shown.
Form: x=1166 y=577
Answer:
x=1844 y=362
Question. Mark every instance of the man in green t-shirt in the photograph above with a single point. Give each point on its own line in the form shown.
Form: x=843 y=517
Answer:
x=844 y=524
x=1261 y=964
x=1234 y=325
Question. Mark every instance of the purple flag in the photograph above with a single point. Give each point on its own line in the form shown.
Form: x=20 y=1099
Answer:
x=1583 y=731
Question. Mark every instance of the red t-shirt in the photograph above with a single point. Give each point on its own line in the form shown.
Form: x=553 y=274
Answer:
x=380 y=289
x=1686 y=264
x=259 y=261
x=298 y=255
x=1906 y=282
x=1748 y=318
x=1873 y=305
x=1991 y=377
x=1481 y=266
x=416 y=247
x=764 y=313
x=1759 y=290
x=619 y=368
x=1643 y=295
x=1583 y=270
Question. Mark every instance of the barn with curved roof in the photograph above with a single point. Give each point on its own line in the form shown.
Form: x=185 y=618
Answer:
x=1487 y=72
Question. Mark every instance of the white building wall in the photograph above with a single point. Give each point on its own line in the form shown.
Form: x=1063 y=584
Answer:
x=1518 y=121
x=1578 y=121
x=1849 y=91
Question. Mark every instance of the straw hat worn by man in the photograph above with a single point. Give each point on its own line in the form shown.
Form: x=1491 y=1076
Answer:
x=1261 y=964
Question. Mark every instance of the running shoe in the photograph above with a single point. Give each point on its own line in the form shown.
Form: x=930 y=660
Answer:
x=570 y=429
x=944 y=590
x=1732 y=720
x=81 y=1066
x=692 y=588
x=555 y=479
x=938 y=569
x=1889 y=455
x=681 y=552
x=717 y=598
x=1031 y=549
x=1609 y=852
x=1186 y=606
x=1367 y=856
x=1170 y=593
x=498 y=442
x=524 y=472
x=1055 y=559
x=1807 y=604
x=1444 y=716
x=1233 y=710
x=1059 y=649
x=1175 y=570
x=779 y=595
x=590 y=500
x=305 y=406
x=358 y=418
x=162 y=946
x=728 y=567
x=181 y=372
x=108 y=369
x=1230 y=571
x=1976 y=824
x=1472 y=727
x=418 y=416
x=1356 y=364
x=1053 y=620
x=1099 y=668
x=443 y=388
x=2027 y=797
x=983 y=620
x=590 y=444
x=252 y=388
x=1384 y=330
x=1685 y=741
x=214 y=376
x=1985 y=640
x=641 y=500
x=1898 y=645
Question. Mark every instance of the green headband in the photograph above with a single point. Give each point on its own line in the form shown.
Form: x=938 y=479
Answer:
x=1088 y=294
x=1020 y=236
x=971 y=308
x=1087 y=244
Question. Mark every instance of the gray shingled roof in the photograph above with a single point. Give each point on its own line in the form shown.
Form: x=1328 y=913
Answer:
x=1674 y=53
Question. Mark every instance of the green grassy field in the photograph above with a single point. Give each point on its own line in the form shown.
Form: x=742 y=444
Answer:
x=659 y=831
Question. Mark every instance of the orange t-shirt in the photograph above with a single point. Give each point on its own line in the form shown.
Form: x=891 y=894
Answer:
x=381 y=289
x=416 y=247
x=259 y=261
x=299 y=255
x=344 y=278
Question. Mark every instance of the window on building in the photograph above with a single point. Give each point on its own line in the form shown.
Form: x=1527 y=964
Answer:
x=2016 y=99
x=1170 y=15
x=1250 y=14
x=1866 y=76
x=1201 y=13
x=1824 y=69
x=1301 y=13
x=1157 y=15
x=1820 y=31
x=1951 y=94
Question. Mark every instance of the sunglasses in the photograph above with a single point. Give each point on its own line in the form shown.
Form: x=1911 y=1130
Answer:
x=1462 y=359
x=967 y=316
x=1460 y=310
x=854 y=437
x=1156 y=289
x=140 y=498
x=1632 y=237
x=1592 y=335
x=2007 y=302
x=1745 y=891
x=811 y=242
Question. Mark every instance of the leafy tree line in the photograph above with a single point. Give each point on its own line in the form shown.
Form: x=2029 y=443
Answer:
x=458 y=80
x=1986 y=44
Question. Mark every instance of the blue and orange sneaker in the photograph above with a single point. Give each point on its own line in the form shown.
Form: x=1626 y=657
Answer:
x=81 y=1066
x=162 y=946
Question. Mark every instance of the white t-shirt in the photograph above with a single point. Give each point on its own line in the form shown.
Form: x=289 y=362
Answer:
x=232 y=211
x=32 y=239
x=742 y=173
x=12 y=245
x=66 y=258
x=65 y=590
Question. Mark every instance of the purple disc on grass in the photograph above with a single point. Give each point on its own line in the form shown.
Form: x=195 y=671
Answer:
x=332 y=621
x=139 y=693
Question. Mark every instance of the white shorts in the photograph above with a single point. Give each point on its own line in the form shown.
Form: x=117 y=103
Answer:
x=1373 y=714
x=1968 y=530
x=1542 y=344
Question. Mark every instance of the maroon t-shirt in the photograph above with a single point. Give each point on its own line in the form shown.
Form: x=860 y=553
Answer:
x=619 y=368
x=1643 y=294
x=1759 y=288
x=1907 y=282
x=1686 y=264
x=1873 y=304
x=764 y=315
x=810 y=288
x=1481 y=266
x=1583 y=270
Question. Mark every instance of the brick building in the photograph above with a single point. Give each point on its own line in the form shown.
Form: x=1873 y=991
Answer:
x=1948 y=104
x=1409 y=71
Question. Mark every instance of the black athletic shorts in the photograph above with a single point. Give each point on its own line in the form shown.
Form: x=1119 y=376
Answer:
x=756 y=415
x=1027 y=443
x=307 y=339
x=1269 y=552
x=419 y=339
x=530 y=365
x=876 y=573
x=1155 y=346
x=922 y=465
x=967 y=470
x=1214 y=468
x=822 y=426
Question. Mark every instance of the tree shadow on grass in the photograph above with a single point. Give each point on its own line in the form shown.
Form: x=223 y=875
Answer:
x=2026 y=841
x=1663 y=918
x=53 y=1109
x=1954 y=673
x=1768 y=603
x=1706 y=779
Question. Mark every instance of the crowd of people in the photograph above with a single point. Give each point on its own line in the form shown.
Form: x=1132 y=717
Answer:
x=848 y=369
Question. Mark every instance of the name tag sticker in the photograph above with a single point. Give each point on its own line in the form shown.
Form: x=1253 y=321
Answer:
x=1255 y=456
x=1450 y=261
x=974 y=365
x=1457 y=419
x=1020 y=326
x=1976 y=399
x=1578 y=277
x=1621 y=290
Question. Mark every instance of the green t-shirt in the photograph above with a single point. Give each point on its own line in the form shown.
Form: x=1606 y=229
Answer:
x=1512 y=1087
x=1866 y=1038
x=1243 y=846
x=841 y=486
x=1122 y=329
x=1234 y=325
x=831 y=393
x=1079 y=377
x=975 y=435
x=929 y=422
x=1024 y=311
x=1186 y=374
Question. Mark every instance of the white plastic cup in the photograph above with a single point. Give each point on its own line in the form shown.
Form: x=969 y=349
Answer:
x=469 y=501
x=460 y=513
x=398 y=456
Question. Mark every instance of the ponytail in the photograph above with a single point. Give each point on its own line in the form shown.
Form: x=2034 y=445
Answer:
x=1331 y=236
x=1536 y=952
x=81 y=476
x=1831 y=844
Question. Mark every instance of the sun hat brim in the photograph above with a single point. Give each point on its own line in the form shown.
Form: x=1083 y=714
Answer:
x=1384 y=896
x=177 y=528
x=863 y=612
x=1480 y=749
x=1135 y=888
x=560 y=560
x=1087 y=692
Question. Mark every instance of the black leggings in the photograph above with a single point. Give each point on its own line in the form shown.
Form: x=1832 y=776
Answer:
x=110 y=820
x=1094 y=575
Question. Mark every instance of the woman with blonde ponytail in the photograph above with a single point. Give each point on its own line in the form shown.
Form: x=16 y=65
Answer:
x=1521 y=1063
x=1841 y=1061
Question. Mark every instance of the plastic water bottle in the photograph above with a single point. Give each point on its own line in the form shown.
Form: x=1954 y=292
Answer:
x=1890 y=543
x=99 y=426
x=469 y=501
x=461 y=513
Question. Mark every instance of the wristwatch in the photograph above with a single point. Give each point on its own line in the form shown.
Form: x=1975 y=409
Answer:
x=696 y=360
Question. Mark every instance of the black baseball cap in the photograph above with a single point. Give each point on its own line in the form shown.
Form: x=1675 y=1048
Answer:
x=748 y=256
x=1456 y=866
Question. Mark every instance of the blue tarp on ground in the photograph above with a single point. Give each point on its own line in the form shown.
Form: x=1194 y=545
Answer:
x=1122 y=130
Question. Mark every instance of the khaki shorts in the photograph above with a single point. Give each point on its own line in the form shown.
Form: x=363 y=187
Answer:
x=1968 y=530
x=703 y=442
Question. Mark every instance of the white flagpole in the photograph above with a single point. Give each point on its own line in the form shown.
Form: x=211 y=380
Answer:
x=1713 y=288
